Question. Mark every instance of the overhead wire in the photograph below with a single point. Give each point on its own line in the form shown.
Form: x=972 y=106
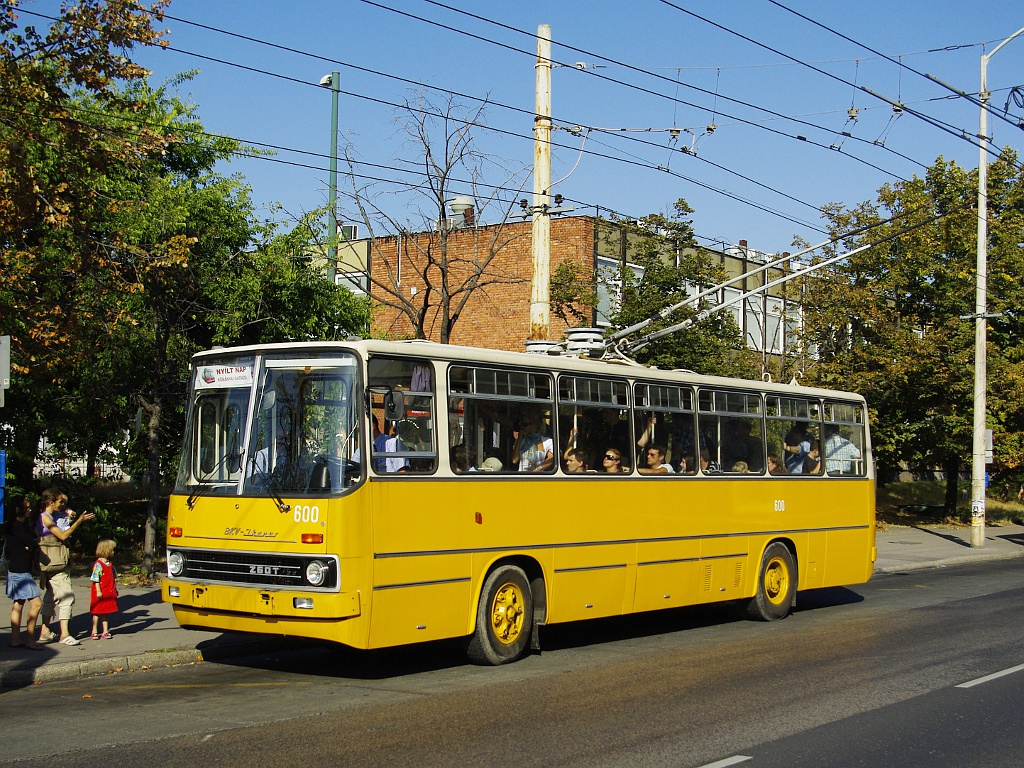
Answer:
x=529 y=53
x=744 y=177
x=960 y=133
x=641 y=89
x=363 y=176
x=606 y=156
x=392 y=104
x=899 y=63
x=407 y=81
x=619 y=215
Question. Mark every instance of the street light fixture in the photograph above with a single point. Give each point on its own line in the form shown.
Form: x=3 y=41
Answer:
x=333 y=81
x=981 y=314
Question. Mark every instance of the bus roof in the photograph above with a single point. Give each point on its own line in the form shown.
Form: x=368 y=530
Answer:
x=561 y=362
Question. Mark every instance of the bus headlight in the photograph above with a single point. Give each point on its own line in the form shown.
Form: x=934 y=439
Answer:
x=316 y=572
x=175 y=563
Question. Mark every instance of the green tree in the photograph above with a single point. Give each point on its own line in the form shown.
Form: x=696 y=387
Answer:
x=52 y=157
x=893 y=321
x=195 y=269
x=572 y=293
x=665 y=266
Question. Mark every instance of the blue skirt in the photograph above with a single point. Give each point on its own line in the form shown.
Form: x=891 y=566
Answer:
x=21 y=586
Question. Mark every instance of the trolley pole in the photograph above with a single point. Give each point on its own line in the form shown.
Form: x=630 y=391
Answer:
x=981 y=314
x=540 y=296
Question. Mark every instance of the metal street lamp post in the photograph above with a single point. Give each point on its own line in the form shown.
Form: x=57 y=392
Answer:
x=333 y=81
x=981 y=315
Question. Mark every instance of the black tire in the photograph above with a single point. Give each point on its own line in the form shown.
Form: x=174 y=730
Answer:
x=504 y=618
x=776 y=585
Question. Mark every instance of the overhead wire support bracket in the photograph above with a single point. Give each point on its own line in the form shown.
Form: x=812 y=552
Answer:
x=931 y=121
x=976 y=102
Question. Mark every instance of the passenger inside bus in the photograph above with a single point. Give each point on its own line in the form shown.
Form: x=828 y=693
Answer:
x=776 y=465
x=379 y=440
x=398 y=438
x=796 y=444
x=812 y=461
x=575 y=461
x=651 y=432
x=739 y=444
x=611 y=462
x=707 y=466
x=655 y=458
x=490 y=464
x=533 y=450
x=270 y=457
x=606 y=427
x=840 y=453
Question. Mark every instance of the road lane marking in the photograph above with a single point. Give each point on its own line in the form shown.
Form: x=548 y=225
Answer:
x=993 y=676
x=734 y=760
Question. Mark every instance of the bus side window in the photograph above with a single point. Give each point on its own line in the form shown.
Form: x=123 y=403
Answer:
x=843 y=446
x=406 y=444
x=663 y=417
x=593 y=416
x=500 y=421
x=731 y=432
x=794 y=434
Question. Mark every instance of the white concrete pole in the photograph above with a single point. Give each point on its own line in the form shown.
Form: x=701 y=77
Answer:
x=980 y=331
x=980 y=314
x=540 y=299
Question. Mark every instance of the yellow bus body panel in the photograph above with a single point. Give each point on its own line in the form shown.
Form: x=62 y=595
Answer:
x=413 y=551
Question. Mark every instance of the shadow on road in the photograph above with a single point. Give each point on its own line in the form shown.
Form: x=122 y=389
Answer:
x=329 y=660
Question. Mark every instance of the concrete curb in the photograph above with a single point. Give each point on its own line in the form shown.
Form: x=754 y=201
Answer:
x=135 y=662
x=949 y=561
x=71 y=670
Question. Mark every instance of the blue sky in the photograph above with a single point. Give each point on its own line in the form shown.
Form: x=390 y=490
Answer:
x=660 y=55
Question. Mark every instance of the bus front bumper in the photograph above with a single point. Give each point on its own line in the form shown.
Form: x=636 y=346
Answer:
x=259 y=603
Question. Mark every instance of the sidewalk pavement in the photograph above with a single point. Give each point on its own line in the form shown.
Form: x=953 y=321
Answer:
x=146 y=635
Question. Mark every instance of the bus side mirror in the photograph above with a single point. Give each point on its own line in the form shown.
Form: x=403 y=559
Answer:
x=394 y=405
x=268 y=401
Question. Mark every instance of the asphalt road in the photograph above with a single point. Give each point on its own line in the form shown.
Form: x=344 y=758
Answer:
x=863 y=676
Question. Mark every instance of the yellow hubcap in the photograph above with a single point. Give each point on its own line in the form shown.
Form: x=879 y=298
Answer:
x=507 y=613
x=776 y=581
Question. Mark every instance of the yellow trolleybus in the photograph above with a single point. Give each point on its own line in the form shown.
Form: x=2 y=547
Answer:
x=378 y=493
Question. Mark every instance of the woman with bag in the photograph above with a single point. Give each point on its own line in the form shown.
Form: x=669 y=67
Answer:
x=21 y=589
x=56 y=524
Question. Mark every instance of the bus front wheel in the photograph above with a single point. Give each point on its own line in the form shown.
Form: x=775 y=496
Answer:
x=776 y=584
x=504 y=618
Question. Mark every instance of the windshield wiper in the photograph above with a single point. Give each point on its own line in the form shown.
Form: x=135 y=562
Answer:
x=202 y=483
x=267 y=481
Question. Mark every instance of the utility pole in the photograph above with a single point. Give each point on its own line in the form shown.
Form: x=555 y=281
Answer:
x=333 y=81
x=981 y=315
x=540 y=296
x=5 y=370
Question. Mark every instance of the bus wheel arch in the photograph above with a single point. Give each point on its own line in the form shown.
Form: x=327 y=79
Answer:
x=775 y=591
x=511 y=600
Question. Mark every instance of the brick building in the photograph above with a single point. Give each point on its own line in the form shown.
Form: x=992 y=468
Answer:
x=497 y=314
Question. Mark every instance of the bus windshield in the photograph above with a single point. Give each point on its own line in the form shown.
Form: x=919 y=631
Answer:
x=298 y=420
x=216 y=425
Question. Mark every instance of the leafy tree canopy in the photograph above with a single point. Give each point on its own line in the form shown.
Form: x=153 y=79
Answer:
x=665 y=266
x=894 y=321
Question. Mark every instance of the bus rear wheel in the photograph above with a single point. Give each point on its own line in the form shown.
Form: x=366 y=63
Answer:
x=504 y=618
x=776 y=584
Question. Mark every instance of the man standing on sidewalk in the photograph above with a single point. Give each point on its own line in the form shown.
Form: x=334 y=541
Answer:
x=58 y=521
